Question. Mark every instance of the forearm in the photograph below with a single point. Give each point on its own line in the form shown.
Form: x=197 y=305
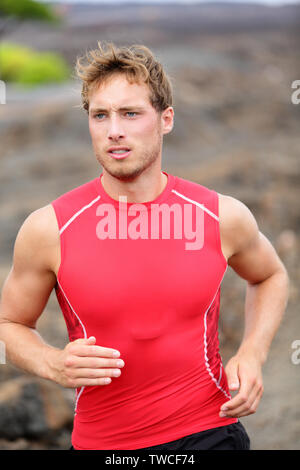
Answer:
x=264 y=307
x=26 y=349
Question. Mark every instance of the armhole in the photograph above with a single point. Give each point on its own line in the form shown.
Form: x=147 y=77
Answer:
x=61 y=242
x=217 y=226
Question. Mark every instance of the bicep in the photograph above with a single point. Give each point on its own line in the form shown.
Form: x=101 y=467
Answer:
x=30 y=281
x=257 y=261
x=25 y=295
x=252 y=255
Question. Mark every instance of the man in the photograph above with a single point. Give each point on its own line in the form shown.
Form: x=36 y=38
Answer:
x=137 y=257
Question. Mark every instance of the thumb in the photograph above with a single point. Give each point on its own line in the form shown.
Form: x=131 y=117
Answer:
x=91 y=340
x=232 y=376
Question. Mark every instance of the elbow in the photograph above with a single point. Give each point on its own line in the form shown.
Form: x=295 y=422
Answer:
x=282 y=282
x=283 y=274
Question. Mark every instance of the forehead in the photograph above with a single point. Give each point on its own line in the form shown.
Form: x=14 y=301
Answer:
x=117 y=91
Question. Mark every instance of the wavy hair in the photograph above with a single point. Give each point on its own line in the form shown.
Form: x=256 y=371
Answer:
x=138 y=64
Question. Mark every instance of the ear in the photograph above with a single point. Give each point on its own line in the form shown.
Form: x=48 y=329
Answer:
x=167 y=120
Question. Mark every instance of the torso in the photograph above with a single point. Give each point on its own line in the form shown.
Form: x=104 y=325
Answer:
x=224 y=215
x=154 y=300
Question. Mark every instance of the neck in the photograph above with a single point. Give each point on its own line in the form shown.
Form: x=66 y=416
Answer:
x=145 y=187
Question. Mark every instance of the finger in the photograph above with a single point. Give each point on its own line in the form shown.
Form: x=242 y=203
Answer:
x=85 y=373
x=249 y=407
x=84 y=382
x=90 y=340
x=93 y=362
x=252 y=409
x=244 y=403
x=232 y=377
x=94 y=351
x=240 y=398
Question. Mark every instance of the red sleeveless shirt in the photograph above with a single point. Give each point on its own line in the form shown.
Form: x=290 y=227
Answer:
x=145 y=279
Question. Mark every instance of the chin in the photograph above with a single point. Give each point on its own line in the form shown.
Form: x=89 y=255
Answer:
x=123 y=170
x=128 y=175
x=122 y=173
x=128 y=170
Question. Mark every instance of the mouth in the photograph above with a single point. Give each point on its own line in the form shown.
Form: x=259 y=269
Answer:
x=119 y=153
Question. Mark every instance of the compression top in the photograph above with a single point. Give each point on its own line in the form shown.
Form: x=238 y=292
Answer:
x=145 y=279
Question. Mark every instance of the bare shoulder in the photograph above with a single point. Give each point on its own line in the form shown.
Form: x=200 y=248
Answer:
x=38 y=239
x=33 y=275
x=238 y=227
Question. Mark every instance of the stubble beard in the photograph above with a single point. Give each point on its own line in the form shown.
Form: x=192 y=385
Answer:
x=126 y=170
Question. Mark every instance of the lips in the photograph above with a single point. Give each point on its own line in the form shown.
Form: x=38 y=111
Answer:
x=119 y=153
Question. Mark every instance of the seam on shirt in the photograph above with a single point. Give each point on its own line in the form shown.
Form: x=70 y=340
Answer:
x=216 y=382
x=78 y=394
x=80 y=211
x=196 y=204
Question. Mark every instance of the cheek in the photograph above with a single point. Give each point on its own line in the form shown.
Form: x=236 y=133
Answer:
x=91 y=128
x=147 y=129
x=94 y=131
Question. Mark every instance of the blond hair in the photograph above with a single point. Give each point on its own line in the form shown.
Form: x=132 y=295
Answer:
x=137 y=63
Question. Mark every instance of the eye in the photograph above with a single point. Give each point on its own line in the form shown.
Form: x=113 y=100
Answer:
x=131 y=113
x=100 y=116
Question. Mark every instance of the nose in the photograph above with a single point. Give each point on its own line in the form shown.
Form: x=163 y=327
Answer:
x=115 y=129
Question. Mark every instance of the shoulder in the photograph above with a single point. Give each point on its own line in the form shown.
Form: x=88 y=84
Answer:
x=238 y=226
x=40 y=225
x=72 y=201
x=196 y=192
x=38 y=239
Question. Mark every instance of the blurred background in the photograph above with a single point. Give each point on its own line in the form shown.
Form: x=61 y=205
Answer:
x=236 y=131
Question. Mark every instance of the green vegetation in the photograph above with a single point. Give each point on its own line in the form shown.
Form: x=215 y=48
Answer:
x=21 y=64
x=27 y=67
x=27 y=9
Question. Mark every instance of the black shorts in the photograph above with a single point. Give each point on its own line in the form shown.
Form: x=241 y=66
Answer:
x=230 y=437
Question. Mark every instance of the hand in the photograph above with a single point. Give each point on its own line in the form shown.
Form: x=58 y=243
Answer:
x=82 y=363
x=243 y=374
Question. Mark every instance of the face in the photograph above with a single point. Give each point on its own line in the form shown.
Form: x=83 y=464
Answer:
x=126 y=130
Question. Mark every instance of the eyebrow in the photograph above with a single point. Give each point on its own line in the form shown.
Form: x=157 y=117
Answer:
x=123 y=108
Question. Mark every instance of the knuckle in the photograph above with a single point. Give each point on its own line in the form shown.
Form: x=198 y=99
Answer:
x=94 y=350
x=102 y=381
x=252 y=409
x=92 y=374
x=244 y=399
x=247 y=405
x=99 y=381
x=69 y=374
x=72 y=383
x=70 y=346
x=69 y=361
x=96 y=373
x=260 y=387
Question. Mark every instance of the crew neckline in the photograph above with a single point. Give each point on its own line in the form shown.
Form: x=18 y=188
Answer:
x=159 y=199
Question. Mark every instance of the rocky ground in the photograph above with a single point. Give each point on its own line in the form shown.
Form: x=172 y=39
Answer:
x=236 y=131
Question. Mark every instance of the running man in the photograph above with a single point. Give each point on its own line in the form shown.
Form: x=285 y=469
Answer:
x=137 y=257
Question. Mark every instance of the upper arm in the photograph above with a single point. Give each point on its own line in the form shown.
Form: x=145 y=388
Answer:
x=32 y=276
x=250 y=254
